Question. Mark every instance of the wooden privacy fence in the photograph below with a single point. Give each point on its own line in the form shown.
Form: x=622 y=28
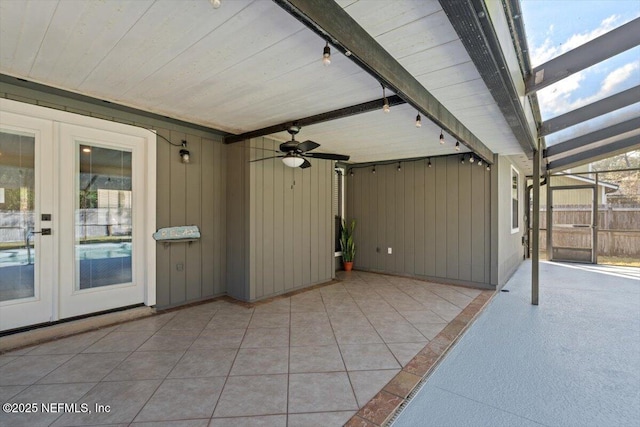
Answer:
x=615 y=243
x=618 y=229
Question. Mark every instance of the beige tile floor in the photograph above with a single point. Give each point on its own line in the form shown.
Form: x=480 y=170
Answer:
x=312 y=359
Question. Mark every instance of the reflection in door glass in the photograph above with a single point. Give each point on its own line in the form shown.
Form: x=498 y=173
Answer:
x=103 y=217
x=17 y=201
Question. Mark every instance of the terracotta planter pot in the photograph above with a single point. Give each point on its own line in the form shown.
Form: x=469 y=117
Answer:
x=348 y=265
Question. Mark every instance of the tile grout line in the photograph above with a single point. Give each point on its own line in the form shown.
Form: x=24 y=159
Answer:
x=231 y=367
x=353 y=391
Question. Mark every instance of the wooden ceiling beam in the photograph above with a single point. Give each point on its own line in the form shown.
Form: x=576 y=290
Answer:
x=340 y=113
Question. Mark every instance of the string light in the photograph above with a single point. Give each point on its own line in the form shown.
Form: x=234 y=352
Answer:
x=462 y=160
x=457 y=146
x=215 y=3
x=479 y=162
x=373 y=171
x=429 y=164
x=471 y=159
x=441 y=137
x=418 y=121
x=399 y=166
x=351 y=172
x=326 y=55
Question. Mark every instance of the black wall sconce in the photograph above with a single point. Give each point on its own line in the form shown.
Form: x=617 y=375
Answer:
x=185 y=156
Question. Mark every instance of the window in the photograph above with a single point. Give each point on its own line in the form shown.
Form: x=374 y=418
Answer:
x=515 y=202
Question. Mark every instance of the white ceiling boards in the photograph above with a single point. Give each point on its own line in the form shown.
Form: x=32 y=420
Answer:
x=249 y=65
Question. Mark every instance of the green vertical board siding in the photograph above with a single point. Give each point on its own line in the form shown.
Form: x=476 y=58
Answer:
x=464 y=220
x=163 y=219
x=289 y=217
x=193 y=192
x=440 y=202
x=420 y=225
x=478 y=232
x=177 y=187
x=431 y=243
x=208 y=230
x=409 y=224
x=452 y=217
x=278 y=228
x=434 y=219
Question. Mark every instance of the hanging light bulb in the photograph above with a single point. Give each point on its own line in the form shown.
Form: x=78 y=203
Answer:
x=418 y=121
x=471 y=159
x=399 y=166
x=488 y=167
x=373 y=171
x=457 y=146
x=462 y=160
x=215 y=3
x=479 y=162
x=351 y=172
x=441 y=137
x=385 y=105
x=429 y=164
x=326 y=55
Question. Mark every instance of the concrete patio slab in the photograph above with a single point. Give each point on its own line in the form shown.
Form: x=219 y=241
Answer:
x=574 y=360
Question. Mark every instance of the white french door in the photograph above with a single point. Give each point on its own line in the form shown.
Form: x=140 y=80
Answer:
x=26 y=255
x=81 y=192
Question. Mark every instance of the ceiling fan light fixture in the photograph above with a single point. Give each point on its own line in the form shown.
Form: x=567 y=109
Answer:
x=292 y=161
x=418 y=121
x=326 y=55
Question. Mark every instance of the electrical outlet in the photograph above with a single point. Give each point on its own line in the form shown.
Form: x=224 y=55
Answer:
x=389 y=251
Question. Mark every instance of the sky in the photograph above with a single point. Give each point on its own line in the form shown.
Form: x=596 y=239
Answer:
x=556 y=26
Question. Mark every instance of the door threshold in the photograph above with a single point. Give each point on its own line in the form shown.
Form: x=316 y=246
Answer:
x=48 y=332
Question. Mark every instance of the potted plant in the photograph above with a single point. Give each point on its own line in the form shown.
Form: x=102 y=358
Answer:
x=347 y=244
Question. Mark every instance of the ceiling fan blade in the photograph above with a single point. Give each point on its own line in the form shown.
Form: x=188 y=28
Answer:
x=266 y=158
x=327 y=156
x=306 y=164
x=307 y=146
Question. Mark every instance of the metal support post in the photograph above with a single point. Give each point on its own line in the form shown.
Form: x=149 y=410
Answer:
x=535 y=259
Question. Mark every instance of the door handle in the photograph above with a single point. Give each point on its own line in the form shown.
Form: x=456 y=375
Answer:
x=44 y=232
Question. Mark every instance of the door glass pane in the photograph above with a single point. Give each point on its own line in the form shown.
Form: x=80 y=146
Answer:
x=103 y=217
x=17 y=202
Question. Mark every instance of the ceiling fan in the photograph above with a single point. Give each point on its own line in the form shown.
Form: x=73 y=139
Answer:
x=294 y=152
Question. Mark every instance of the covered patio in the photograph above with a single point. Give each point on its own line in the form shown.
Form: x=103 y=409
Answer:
x=313 y=358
